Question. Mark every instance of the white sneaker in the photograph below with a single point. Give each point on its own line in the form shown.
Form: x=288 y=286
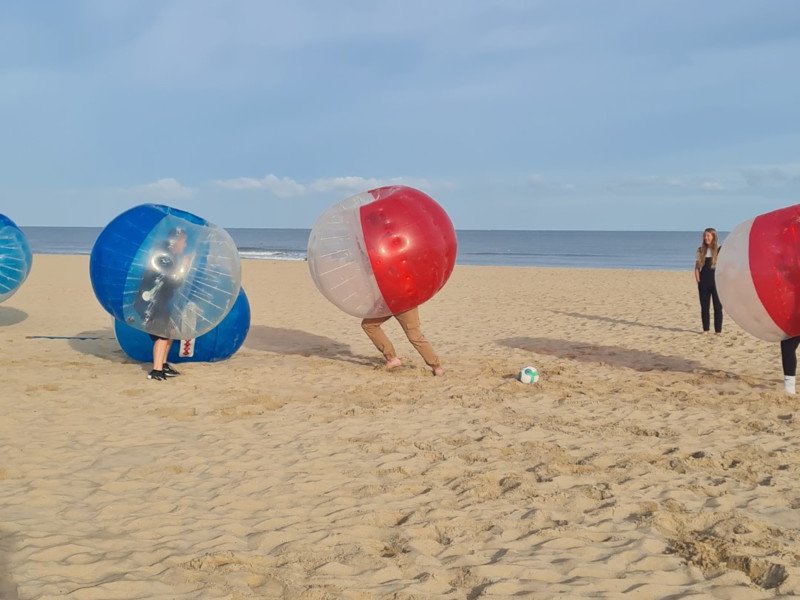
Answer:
x=789 y=385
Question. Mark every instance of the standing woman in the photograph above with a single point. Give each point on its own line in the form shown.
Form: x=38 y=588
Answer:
x=704 y=267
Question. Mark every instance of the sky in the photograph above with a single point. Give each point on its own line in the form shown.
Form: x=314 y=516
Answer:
x=512 y=114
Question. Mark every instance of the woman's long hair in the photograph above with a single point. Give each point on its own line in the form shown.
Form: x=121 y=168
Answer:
x=702 y=250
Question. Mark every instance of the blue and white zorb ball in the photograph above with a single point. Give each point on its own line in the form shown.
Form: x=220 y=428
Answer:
x=528 y=375
x=165 y=271
x=15 y=257
x=218 y=344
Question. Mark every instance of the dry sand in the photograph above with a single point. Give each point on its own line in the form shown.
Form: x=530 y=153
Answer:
x=648 y=462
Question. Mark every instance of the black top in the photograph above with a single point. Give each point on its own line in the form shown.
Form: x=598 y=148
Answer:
x=707 y=271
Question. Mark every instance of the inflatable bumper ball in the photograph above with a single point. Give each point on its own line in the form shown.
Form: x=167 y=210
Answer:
x=165 y=271
x=218 y=344
x=15 y=258
x=382 y=252
x=758 y=274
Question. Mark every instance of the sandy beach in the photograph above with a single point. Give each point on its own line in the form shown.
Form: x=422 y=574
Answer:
x=648 y=462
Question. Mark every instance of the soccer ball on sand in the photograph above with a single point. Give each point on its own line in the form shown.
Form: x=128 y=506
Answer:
x=528 y=375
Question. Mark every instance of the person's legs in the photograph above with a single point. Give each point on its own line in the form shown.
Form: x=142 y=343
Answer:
x=163 y=353
x=717 y=310
x=789 y=362
x=789 y=355
x=160 y=351
x=372 y=327
x=409 y=320
x=705 y=302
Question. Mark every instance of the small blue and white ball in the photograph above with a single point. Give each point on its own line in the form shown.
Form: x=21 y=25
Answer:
x=528 y=375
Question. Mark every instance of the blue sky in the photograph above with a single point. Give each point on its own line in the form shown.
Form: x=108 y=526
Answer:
x=513 y=114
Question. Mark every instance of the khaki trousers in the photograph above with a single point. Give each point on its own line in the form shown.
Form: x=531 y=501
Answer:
x=409 y=320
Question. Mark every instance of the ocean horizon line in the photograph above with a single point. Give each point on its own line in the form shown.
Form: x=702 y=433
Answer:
x=466 y=229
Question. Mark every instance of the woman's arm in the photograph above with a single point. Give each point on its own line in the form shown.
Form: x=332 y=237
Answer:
x=697 y=265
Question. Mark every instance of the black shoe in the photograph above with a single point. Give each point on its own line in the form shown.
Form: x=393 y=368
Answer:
x=156 y=374
x=169 y=371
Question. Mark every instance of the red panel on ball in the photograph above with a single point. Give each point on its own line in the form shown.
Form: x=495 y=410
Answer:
x=411 y=245
x=775 y=265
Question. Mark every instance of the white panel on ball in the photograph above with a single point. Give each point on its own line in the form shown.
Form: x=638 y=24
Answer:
x=736 y=289
x=339 y=263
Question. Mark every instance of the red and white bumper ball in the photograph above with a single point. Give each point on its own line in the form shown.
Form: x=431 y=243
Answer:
x=382 y=252
x=758 y=274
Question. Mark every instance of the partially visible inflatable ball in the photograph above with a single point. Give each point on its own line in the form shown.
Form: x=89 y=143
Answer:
x=758 y=274
x=165 y=271
x=15 y=258
x=382 y=252
x=218 y=344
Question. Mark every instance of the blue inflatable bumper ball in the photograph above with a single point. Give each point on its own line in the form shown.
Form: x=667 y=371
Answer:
x=165 y=271
x=15 y=258
x=218 y=344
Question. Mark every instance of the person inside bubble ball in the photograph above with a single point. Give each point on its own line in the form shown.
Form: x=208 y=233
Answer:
x=409 y=321
x=704 y=268
x=166 y=271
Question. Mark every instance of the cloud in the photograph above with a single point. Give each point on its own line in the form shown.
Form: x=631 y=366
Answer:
x=286 y=187
x=540 y=183
x=283 y=187
x=712 y=186
x=769 y=179
x=772 y=176
x=166 y=189
x=351 y=184
x=672 y=183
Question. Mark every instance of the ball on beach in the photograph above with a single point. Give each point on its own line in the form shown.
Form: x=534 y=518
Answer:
x=382 y=252
x=165 y=271
x=15 y=258
x=528 y=375
x=220 y=343
x=758 y=274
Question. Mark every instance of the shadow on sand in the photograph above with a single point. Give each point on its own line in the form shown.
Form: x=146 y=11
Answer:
x=100 y=343
x=281 y=340
x=621 y=321
x=11 y=316
x=8 y=589
x=615 y=356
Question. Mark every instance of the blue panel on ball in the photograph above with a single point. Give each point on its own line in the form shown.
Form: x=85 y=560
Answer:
x=218 y=344
x=15 y=258
x=114 y=250
x=165 y=271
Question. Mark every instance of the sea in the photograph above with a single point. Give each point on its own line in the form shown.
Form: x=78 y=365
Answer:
x=659 y=250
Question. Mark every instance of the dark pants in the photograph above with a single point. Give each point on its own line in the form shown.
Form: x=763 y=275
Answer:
x=707 y=294
x=789 y=355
